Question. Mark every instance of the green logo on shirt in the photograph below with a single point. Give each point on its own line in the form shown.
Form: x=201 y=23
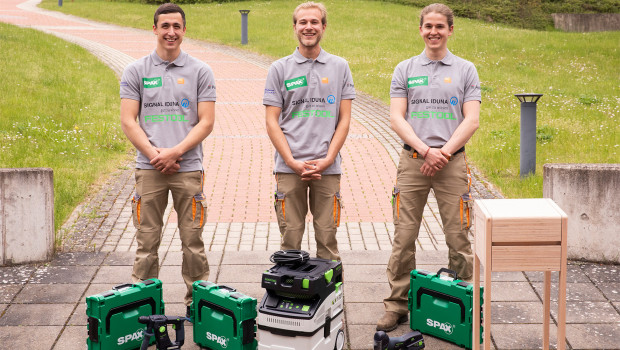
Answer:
x=312 y=113
x=417 y=81
x=165 y=118
x=151 y=82
x=295 y=83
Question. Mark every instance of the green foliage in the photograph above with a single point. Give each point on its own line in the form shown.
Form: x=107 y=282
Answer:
x=59 y=109
x=576 y=72
x=531 y=14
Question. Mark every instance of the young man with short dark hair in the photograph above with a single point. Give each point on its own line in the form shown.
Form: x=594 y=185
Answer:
x=167 y=110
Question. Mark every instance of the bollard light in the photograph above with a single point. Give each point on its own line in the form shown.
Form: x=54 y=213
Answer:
x=59 y=2
x=244 y=26
x=528 y=133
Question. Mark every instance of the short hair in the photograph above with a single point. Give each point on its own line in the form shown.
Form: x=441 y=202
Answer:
x=439 y=8
x=311 y=5
x=168 y=8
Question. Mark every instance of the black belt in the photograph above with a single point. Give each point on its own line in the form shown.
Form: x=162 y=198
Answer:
x=409 y=148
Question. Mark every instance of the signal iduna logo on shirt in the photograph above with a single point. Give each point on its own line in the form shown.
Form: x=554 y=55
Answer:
x=417 y=81
x=295 y=83
x=151 y=82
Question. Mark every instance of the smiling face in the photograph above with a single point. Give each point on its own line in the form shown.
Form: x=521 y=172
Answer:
x=170 y=32
x=435 y=31
x=309 y=28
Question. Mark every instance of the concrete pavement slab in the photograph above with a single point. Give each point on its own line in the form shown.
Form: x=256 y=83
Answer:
x=593 y=336
x=36 y=315
x=512 y=291
x=362 y=292
x=575 y=274
x=72 y=338
x=78 y=259
x=602 y=273
x=79 y=318
x=574 y=291
x=8 y=292
x=63 y=274
x=30 y=338
x=229 y=274
x=16 y=274
x=113 y=274
x=50 y=293
x=588 y=311
x=522 y=336
x=174 y=292
x=120 y=259
x=610 y=290
x=246 y=258
x=362 y=313
x=516 y=312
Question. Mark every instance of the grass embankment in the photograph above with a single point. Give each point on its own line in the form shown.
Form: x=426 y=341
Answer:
x=578 y=116
x=59 y=109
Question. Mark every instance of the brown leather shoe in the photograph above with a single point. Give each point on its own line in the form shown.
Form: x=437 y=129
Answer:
x=390 y=321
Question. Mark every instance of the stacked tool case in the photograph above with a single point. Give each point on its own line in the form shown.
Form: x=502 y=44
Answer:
x=442 y=306
x=302 y=307
x=223 y=318
x=113 y=315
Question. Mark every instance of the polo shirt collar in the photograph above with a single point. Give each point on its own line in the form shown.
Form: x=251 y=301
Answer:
x=447 y=60
x=299 y=58
x=179 y=61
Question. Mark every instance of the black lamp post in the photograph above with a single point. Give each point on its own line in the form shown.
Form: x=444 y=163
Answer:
x=528 y=132
x=244 y=26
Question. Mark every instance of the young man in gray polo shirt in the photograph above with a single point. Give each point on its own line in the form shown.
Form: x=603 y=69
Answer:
x=308 y=111
x=172 y=97
x=435 y=107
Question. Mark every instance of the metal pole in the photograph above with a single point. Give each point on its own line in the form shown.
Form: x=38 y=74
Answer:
x=60 y=3
x=528 y=138
x=244 y=26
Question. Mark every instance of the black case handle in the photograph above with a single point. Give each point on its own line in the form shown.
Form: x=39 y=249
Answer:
x=230 y=289
x=121 y=286
x=449 y=272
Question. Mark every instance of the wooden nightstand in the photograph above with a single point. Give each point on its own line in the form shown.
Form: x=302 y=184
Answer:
x=519 y=235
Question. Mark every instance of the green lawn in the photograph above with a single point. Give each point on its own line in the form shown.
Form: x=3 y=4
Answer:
x=59 y=109
x=578 y=115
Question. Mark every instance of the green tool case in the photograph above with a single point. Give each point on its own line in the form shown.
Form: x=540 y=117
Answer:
x=442 y=306
x=223 y=318
x=113 y=315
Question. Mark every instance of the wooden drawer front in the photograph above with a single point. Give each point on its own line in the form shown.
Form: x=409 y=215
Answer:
x=526 y=258
x=527 y=230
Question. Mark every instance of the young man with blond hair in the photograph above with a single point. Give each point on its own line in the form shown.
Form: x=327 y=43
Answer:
x=167 y=110
x=435 y=107
x=308 y=111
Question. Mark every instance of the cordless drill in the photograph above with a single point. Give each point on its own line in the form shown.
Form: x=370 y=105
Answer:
x=157 y=326
x=409 y=341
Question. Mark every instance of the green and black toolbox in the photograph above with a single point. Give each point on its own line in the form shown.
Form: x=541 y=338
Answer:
x=442 y=306
x=223 y=318
x=113 y=315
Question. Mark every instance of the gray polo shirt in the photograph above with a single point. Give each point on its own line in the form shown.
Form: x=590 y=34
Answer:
x=169 y=93
x=309 y=93
x=436 y=91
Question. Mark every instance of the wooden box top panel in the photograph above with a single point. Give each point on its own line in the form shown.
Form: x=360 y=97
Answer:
x=530 y=208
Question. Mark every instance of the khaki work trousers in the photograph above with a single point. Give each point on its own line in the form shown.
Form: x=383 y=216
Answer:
x=149 y=204
x=291 y=205
x=451 y=188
